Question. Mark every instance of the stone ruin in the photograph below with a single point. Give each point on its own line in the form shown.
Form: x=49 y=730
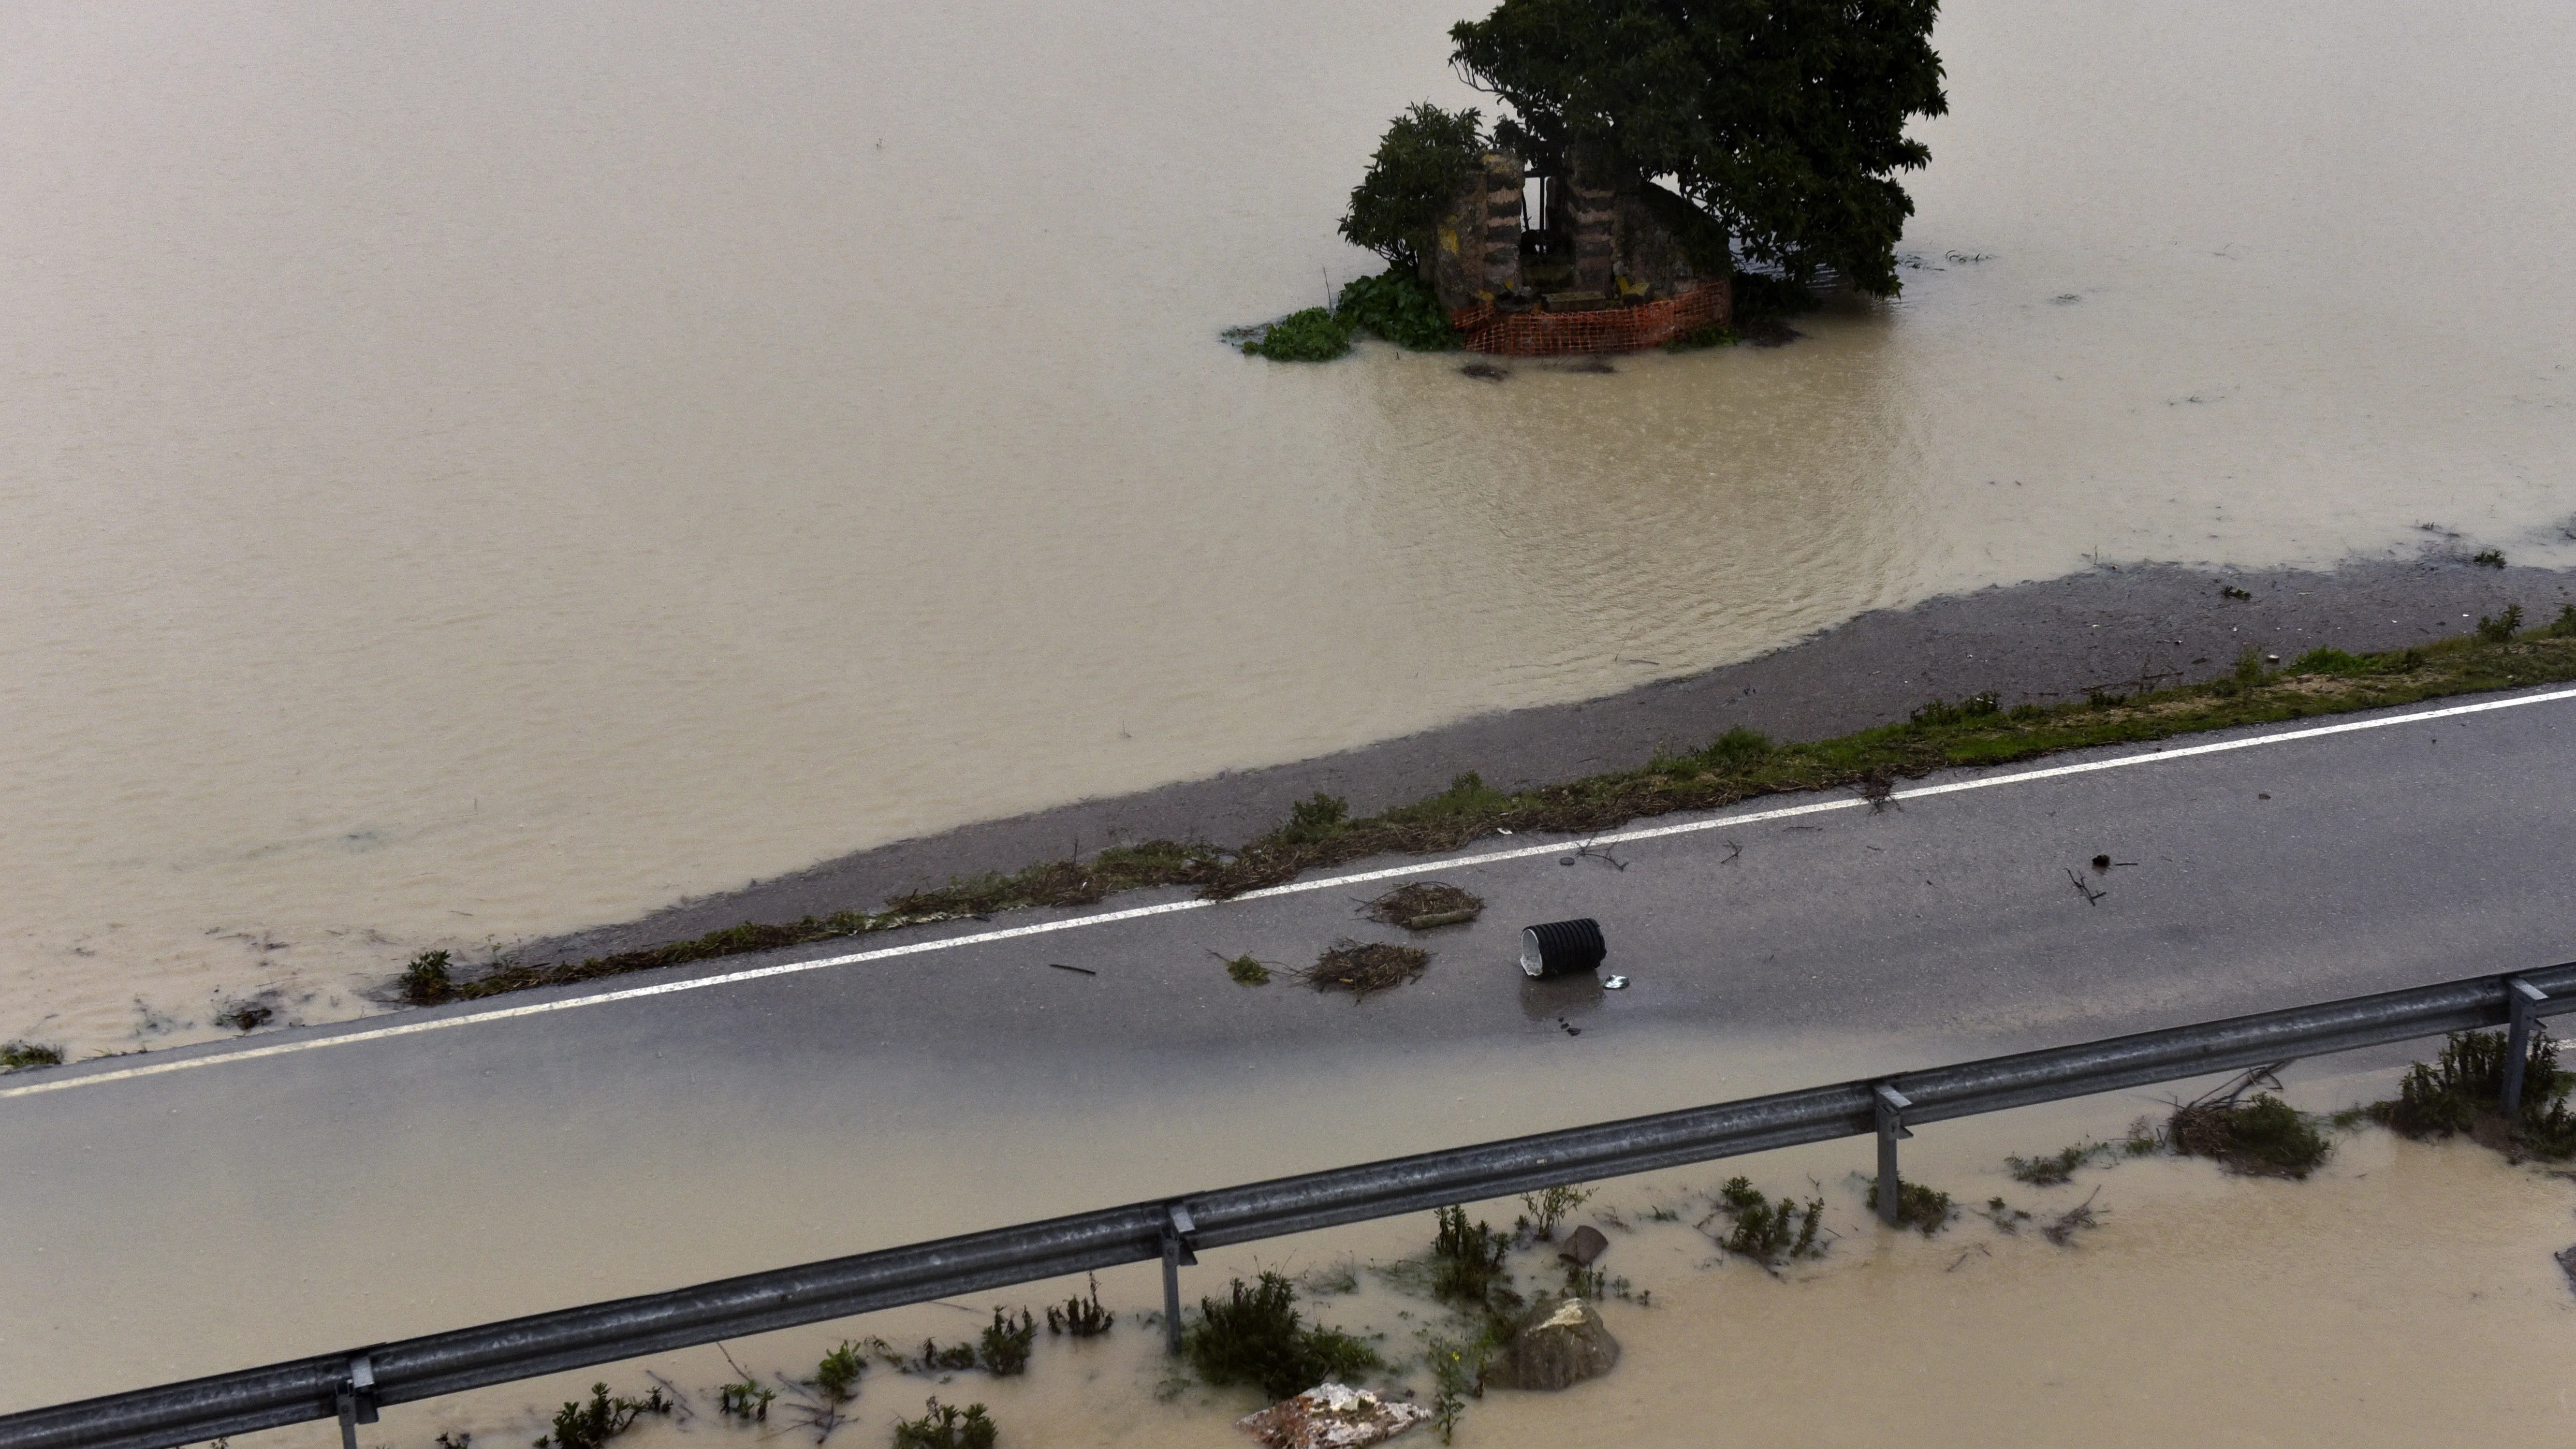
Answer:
x=1606 y=263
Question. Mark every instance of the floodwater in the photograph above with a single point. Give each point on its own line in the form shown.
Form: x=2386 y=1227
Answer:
x=482 y=470
x=2403 y=1296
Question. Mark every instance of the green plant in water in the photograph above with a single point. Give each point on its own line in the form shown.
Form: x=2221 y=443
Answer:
x=1548 y=1207
x=1257 y=1338
x=1769 y=1234
x=836 y=1378
x=2488 y=558
x=2500 y=630
x=2466 y=1081
x=933 y=1359
x=1467 y=1261
x=1701 y=338
x=1923 y=1209
x=590 y=1425
x=1004 y=1349
x=425 y=981
x=18 y=1056
x=2054 y=1169
x=1455 y=1374
x=1399 y=306
x=1082 y=1317
x=2262 y=1135
x=745 y=1399
x=1313 y=335
x=946 y=1426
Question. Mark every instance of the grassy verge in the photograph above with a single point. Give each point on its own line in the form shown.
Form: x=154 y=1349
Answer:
x=1738 y=765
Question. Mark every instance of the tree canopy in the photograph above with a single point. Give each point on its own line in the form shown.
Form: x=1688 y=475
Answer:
x=1424 y=157
x=1785 y=119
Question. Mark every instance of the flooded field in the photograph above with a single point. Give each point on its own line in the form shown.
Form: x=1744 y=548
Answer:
x=484 y=472
x=2189 y=1304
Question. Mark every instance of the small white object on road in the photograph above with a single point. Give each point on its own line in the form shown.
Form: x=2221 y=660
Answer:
x=1615 y=983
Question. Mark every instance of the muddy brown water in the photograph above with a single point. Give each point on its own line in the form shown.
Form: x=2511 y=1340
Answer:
x=483 y=472
x=2405 y=1295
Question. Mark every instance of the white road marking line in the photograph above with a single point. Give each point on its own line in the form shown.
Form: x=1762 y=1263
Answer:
x=1495 y=857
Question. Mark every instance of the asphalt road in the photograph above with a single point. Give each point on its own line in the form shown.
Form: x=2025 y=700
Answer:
x=434 y=1168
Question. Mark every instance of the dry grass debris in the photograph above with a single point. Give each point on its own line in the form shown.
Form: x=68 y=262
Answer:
x=1364 y=968
x=1426 y=905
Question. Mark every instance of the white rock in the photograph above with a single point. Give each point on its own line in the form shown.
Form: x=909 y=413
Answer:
x=1331 y=1416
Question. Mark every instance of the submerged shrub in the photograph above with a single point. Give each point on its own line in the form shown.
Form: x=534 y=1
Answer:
x=18 y=1056
x=1313 y=335
x=1257 y=1338
x=945 y=1426
x=590 y=1425
x=1467 y=1261
x=2263 y=1135
x=1004 y=1350
x=425 y=981
x=1399 y=306
x=1768 y=1234
x=2466 y=1081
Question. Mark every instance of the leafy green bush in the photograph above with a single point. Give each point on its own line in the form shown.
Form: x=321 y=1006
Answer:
x=2502 y=629
x=1399 y=306
x=1257 y=1338
x=1421 y=162
x=1313 y=335
x=2448 y=1095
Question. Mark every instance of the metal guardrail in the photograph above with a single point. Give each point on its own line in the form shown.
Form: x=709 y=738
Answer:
x=351 y=1386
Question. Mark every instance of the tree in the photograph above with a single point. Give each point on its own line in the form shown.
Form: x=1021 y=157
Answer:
x=1784 y=119
x=1421 y=162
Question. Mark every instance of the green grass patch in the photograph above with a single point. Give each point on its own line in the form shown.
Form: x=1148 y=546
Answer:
x=1739 y=765
x=1399 y=306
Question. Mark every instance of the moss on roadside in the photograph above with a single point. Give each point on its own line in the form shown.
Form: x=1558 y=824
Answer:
x=1739 y=765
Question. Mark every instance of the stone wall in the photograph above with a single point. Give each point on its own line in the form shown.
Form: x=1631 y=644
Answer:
x=1477 y=251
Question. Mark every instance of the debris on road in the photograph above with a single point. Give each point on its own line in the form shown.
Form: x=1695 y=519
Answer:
x=1365 y=968
x=1561 y=948
x=1085 y=970
x=1426 y=905
x=1615 y=983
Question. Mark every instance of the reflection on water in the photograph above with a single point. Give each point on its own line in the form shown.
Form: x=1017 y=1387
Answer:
x=480 y=472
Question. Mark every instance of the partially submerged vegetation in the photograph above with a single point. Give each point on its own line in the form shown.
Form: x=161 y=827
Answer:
x=1739 y=765
x=1926 y=1210
x=1257 y=1337
x=592 y=1424
x=945 y=1426
x=20 y=1055
x=1770 y=1234
x=2261 y=1136
x=2462 y=1092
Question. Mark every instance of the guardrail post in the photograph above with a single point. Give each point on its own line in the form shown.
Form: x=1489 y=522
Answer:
x=356 y=1397
x=1891 y=1126
x=1177 y=1230
x=2520 y=997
